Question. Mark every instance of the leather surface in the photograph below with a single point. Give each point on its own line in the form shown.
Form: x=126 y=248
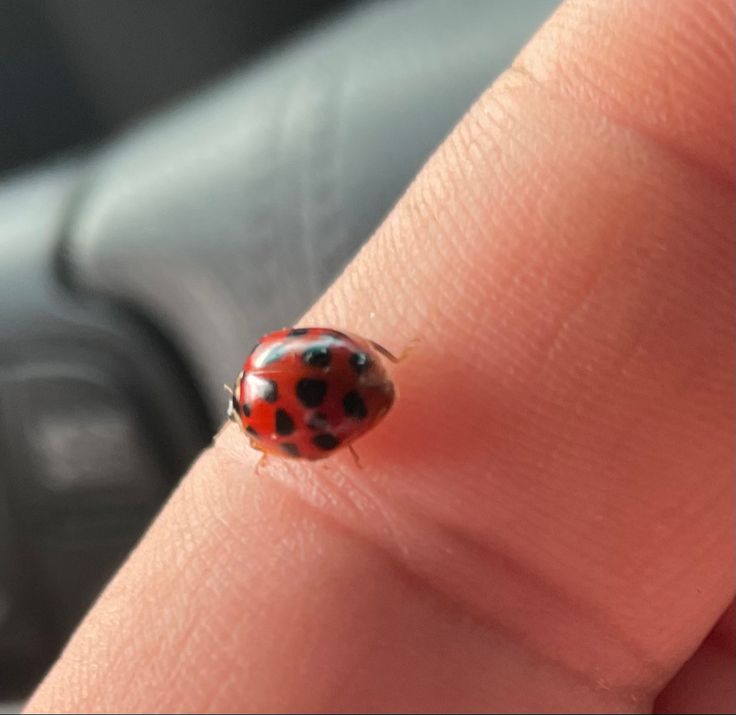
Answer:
x=226 y=216
x=97 y=422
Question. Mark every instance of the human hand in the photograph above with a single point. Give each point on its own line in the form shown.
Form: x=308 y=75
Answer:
x=545 y=521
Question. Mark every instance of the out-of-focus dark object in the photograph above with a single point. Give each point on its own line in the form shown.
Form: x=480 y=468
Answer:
x=72 y=71
x=97 y=419
x=134 y=278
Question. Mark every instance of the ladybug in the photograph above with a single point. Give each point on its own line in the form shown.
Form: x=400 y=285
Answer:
x=306 y=392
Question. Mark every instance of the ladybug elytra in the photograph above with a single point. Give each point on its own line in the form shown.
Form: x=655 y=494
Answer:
x=306 y=392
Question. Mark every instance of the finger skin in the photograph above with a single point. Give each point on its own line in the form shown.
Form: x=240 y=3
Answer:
x=665 y=71
x=706 y=683
x=545 y=520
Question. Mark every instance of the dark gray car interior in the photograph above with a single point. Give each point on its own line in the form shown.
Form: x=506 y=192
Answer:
x=136 y=273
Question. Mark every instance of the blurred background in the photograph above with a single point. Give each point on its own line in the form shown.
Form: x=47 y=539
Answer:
x=178 y=177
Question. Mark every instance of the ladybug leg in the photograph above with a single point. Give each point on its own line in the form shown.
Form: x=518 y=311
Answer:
x=390 y=356
x=261 y=462
x=356 y=458
x=387 y=354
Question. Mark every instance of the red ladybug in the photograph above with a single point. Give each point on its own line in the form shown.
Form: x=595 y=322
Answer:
x=305 y=392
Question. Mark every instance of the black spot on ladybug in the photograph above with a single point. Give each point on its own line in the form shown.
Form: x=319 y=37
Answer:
x=289 y=448
x=360 y=362
x=317 y=356
x=270 y=390
x=261 y=388
x=354 y=406
x=296 y=332
x=284 y=423
x=251 y=431
x=311 y=392
x=245 y=409
x=317 y=421
x=326 y=441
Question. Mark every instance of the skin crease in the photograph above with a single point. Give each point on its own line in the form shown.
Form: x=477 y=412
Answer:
x=545 y=521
